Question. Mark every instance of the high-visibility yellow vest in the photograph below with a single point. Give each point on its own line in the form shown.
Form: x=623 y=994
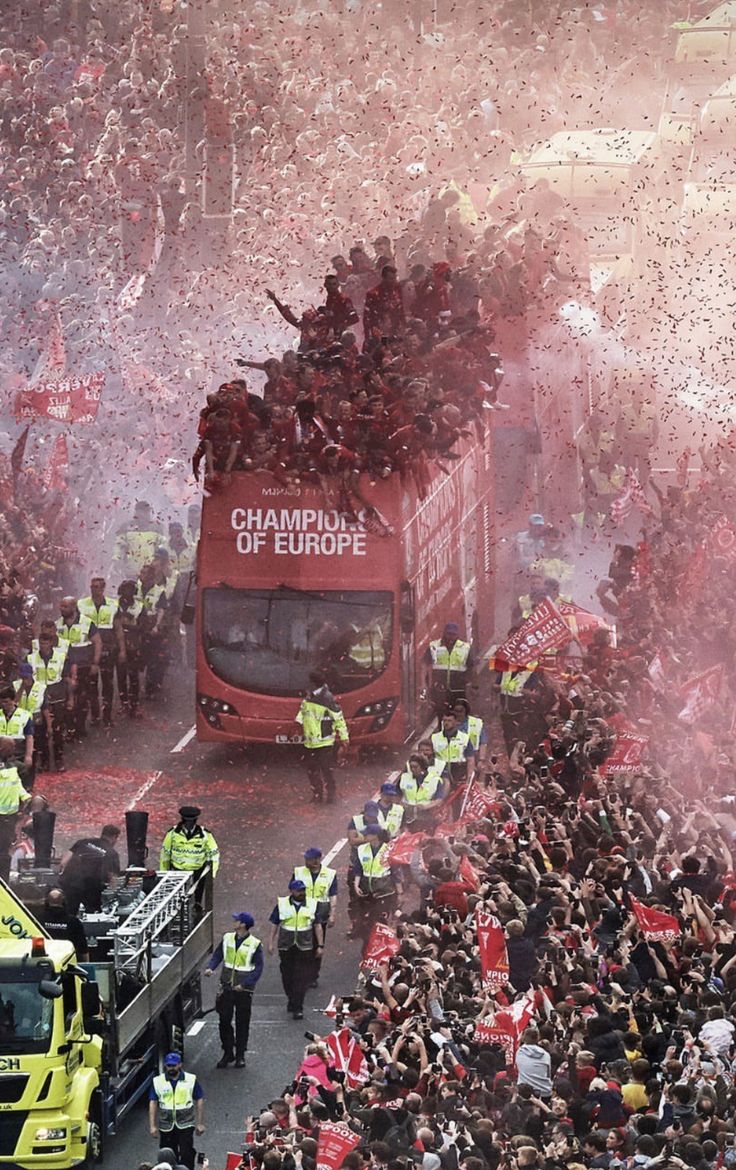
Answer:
x=321 y=724
x=239 y=958
x=180 y=851
x=30 y=701
x=475 y=728
x=389 y=819
x=318 y=884
x=175 y=1102
x=77 y=634
x=13 y=725
x=449 y=661
x=562 y=571
x=513 y=682
x=416 y=793
x=369 y=651
x=375 y=866
x=150 y=599
x=51 y=671
x=12 y=792
x=296 y=924
x=450 y=751
x=136 y=549
x=102 y=615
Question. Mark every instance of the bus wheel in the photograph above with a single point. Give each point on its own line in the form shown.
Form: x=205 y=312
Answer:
x=94 y=1153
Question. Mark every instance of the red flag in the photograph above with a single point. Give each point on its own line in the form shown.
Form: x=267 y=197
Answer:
x=507 y=1025
x=71 y=400
x=348 y=1057
x=381 y=945
x=401 y=849
x=582 y=624
x=655 y=925
x=336 y=1140
x=494 y=961
x=468 y=874
x=18 y=453
x=700 y=693
x=54 y=478
x=627 y=755
x=478 y=803
x=632 y=496
x=545 y=629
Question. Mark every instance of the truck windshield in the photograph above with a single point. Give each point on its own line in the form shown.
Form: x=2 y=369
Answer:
x=268 y=640
x=26 y=1018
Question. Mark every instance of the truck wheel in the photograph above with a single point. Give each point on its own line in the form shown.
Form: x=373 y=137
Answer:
x=94 y=1132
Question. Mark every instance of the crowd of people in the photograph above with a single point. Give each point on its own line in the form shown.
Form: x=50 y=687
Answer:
x=600 y=1034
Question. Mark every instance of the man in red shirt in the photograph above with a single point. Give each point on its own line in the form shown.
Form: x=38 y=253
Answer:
x=383 y=315
x=339 y=308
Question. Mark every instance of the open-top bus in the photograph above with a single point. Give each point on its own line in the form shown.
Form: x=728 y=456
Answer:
x=287 y=583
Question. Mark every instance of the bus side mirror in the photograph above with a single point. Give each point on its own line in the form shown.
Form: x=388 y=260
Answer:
x=187 y=609
x=406 y=609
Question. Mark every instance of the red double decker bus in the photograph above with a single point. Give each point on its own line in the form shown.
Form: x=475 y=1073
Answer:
x=287 y=584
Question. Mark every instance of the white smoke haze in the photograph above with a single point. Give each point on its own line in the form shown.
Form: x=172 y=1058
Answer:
x=329 y=123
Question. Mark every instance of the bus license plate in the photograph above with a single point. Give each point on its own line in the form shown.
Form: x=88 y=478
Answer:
x=289 y=739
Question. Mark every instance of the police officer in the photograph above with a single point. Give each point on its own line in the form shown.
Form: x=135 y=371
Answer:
x=375 y=884
x=152 y=623
x=322 y=721
x=48 y=663
x=473 y=727
x=129 y=662
x=101 y=611
x=321 y=885
x=12 y=798
x=188 y=846
x=387 y=811
x=450 y=661
x=422 y=789
x=136 y=543
x=301 y=941
x=176 y=1108
x=83 y=659
x=454 y=754
x=241 y=955
x=16 y=728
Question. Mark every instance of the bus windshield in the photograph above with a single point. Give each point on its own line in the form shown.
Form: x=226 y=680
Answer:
x=268 y=640
x=25 y=1016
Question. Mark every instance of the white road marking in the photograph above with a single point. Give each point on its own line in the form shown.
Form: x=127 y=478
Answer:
x=185 y=739
x=196 y=1027
x=144 y=788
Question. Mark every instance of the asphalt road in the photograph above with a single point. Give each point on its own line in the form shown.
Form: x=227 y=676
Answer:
x=257 y=803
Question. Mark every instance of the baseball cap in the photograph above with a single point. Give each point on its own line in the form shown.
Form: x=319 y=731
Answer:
x=295 y=884
x=25 y=670
x=452 y=628
x=188 y=811
x=372 y=828
x=246 y=919
x=535 y=518
x=171 y=1059
x=389 y=789
x=371 y=806
x=312 y=853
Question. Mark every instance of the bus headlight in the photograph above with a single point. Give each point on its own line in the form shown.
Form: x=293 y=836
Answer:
x=380 y=709
x=56 y=1134
x=212 y=709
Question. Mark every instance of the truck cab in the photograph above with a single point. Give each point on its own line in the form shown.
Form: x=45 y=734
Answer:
x=50 y=1108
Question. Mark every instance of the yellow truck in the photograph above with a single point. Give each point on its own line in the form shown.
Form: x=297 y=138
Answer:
x=79 y=1044
x=601 y=174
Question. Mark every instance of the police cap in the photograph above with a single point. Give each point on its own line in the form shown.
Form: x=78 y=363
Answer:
x=189 y=812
